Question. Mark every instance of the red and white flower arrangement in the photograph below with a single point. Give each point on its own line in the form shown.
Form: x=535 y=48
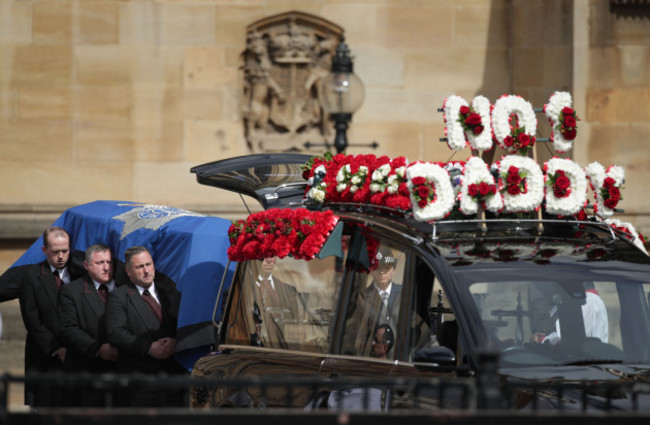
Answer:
x=636 y=238
x=566 y=187
x=280 y=232
x=522 y=184
x=563 y=119
x=514 y=123
x=606 y=185
x=479 y=188
x=432 y=196
x=388 y=185
x=468 y=124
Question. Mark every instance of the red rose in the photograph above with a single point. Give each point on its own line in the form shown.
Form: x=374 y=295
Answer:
x=473 y=119
x=513 y=178
x=508 y=141
x=569 y=134
x=569 y=121
x=472 y=190
x=611 y=203
x=609 y=181
x=567 y=111
x=493 y=189
x=464 y=110
x=615 y=193
x=524 y=139
x=422 y=203
x=514 y=190
x=483 y=188
x=418 y=180
x=562 y=182
x=478 y=130
x=423 y=191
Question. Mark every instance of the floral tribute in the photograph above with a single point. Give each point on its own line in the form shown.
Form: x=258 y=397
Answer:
x=479 y=188
x=522 y=184
x=606 y=185
x=566 y=187
x=636 y=237
x=514 y=122
x=468 y=124
x=280 y=232
x=563 y=119
x=431 y=193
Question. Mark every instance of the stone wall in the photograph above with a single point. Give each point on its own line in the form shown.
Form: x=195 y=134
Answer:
x=118 y=100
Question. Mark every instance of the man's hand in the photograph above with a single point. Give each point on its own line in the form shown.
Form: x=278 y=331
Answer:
x=60 y=354
x=108 y=352
x=163 y=348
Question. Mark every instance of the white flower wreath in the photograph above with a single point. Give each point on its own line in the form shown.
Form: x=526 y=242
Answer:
x=503 y=108
x=597 y=175
x=455 y=132
x=476 y=171
x=628 y=228
x=534 y=195
x=556 y=103
x=577 y=199
x=439 y=178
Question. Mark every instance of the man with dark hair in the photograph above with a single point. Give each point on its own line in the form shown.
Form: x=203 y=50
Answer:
x=39 y=292
x=141 y=320
x=82 y=307
x=382 y=342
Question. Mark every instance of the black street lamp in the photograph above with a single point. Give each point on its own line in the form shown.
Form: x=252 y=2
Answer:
x=341 y=93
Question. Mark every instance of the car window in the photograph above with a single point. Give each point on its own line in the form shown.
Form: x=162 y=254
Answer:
x=284 y=303
x=373 y=310
x=432 y=320
x=568 y=320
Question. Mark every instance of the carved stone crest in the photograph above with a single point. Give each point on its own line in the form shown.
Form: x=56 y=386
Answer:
x=285 y=57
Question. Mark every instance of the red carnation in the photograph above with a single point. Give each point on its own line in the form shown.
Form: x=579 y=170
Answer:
x=524 y=139
x=567 y=111
x=611 y=203
x=609 y=181
x=477 y=130
x=513 y=178
x=464 y=110
x=508 y=141
x=422 y=203
x=472 y=190
x=514 y=190
x=423 y=191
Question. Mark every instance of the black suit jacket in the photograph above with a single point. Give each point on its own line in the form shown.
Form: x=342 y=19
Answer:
x=82 y=326
x=39 y=307
x=132 y=326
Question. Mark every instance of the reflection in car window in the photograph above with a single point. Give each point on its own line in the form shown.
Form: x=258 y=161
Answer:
x=284 y=303
x=375 y=303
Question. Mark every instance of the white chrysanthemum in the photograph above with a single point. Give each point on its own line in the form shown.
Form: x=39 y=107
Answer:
x=439 y=178
x=503 y=108
x=376 y=187
x=576 y=200
x=558 y=101
x=530 y=200
x=455 y=132
x=401 y=171
x=316 y=194
x=476 y=171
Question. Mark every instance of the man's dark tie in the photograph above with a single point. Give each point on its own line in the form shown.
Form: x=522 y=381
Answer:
x=103 y=292
x=57 y=278
x=155 y=307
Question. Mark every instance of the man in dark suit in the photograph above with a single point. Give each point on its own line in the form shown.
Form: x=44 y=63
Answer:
x=82 y=306
x=39 y=292
x=141 y=319
x=278 y=303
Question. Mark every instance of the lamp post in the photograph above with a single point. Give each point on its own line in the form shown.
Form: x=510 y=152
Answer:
x=341 y=93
